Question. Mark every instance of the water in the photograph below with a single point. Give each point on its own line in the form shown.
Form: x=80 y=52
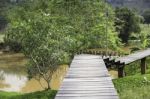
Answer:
x=12 y=82
x=13 y=75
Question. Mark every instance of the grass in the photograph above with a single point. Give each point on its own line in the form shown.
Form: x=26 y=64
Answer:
x=133 y=87
x=135 y=69
x=50 y=94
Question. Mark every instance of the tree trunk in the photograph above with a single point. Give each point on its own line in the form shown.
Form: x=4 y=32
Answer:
x=48 y=85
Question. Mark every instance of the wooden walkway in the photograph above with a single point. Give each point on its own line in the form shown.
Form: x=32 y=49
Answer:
x=121 y=62
x=134 y=57
x=87 y=78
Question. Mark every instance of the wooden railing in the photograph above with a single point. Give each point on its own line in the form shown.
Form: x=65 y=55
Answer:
x=102 y=53
x=121 y=62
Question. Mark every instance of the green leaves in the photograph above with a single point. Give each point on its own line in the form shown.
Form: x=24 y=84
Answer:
x=146 y=16
x=68 y=25
x=52 y=31
x=126 y=23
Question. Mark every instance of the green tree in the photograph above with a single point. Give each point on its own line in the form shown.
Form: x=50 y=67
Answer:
x=146 y=16
x=51 y=31
x=127 y=22
x=144 y=36
x=5 y=5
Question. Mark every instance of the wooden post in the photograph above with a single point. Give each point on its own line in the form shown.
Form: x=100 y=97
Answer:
x=120 y=69
x=102 y=54
x=106 y=62
x=121 y=72
x=143 y=65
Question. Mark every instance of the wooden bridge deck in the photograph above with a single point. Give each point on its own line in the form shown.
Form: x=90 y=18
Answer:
x=134 y=57
x=87 y=78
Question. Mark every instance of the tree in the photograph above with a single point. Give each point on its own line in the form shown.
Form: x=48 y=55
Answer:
x=51 y=31
x=5 y=5
x=144 y=36
x=126 y=23
x=3 y=22
x=146 y=16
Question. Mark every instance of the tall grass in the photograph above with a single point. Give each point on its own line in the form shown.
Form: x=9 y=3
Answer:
x=136 y=93
x=135 y=68
x=133 y=87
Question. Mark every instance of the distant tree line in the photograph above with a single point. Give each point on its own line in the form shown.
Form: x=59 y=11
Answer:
x=146 y=15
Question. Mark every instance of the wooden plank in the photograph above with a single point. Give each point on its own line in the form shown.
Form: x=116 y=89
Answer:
x=134 y=57
x=86 y=89
x=87 y=84
x=80 y=92
x=87 y=94
x=89 y=97
x=87 y=78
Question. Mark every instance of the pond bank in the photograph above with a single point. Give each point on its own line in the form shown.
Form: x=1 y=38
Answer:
x=13 y=75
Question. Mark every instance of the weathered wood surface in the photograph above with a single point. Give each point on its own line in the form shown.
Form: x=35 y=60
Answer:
x=87 y=78
x=134 y=57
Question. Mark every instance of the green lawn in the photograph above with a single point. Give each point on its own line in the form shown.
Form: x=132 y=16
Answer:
x=133 y=87
x=36 y=95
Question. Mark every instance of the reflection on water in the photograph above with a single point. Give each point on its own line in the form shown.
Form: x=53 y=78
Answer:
x=14 y=82
x=13 y=76
x=34 y=85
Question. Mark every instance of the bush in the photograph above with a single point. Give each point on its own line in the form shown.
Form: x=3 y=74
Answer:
x=13 y=46
x=2 y=46
x=133 y=49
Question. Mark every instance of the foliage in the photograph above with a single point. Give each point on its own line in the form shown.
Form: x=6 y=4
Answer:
x=4 y=5
x=3 y=22
x=142 y=39
x=51 y=31
x=41 y=41
x=145 y=36
x=146 y=16
x=50 y=94
x=13 y=46
x=81 y=31
x=127 y=22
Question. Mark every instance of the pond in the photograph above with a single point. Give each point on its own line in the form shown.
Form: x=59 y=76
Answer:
x=13 y=75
